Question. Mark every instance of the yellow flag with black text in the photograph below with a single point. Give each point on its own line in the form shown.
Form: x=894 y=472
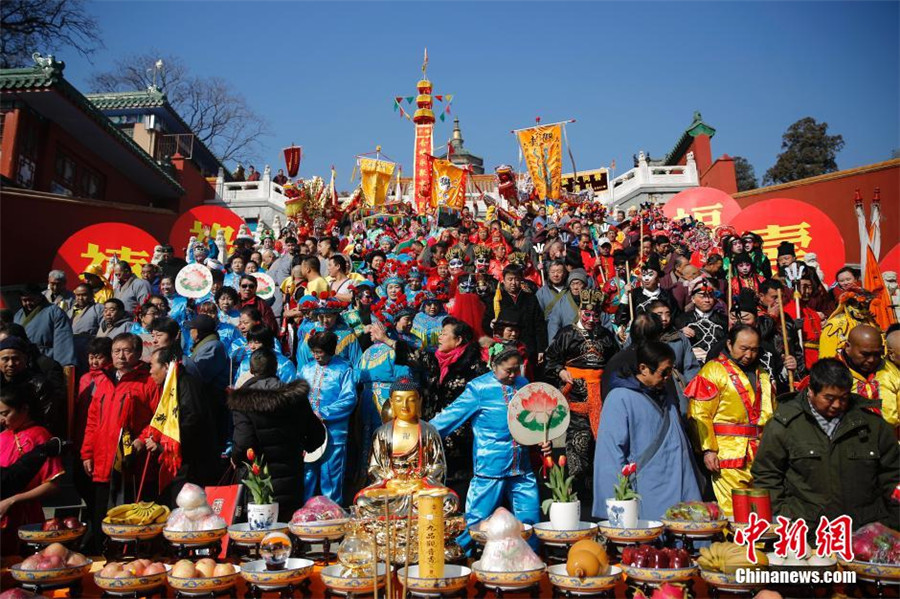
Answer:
x=449 y=185
x=542 y=150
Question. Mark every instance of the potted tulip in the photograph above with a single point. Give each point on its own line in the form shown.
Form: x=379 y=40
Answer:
x=623 y=510
x=262 y=512
x=564 y=508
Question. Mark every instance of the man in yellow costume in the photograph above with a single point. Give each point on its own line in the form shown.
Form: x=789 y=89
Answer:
x=874 y=377
x=93 y=276
x=730 y=402
x=852 y=312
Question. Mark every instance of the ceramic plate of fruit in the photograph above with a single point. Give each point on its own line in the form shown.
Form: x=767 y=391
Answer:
x=194 y=537
x=54 y=564
x=138 y=575
x=333 y=578
x=720 y=561
x=583 y=585
x=203 y=577
x=695 y=519
x=54 y=530
x=508 y=580
x=586 y=570
x=135 y=521
x=646 y=530
x=243 y=534
x=645 y=563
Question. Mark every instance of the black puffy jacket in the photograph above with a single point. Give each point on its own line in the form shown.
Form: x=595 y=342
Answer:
x=277 y=421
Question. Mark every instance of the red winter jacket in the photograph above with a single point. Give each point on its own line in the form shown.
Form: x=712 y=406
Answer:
x=268 y=317
x=116 y=406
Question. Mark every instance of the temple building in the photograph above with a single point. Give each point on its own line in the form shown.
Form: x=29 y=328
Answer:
x=459 y=154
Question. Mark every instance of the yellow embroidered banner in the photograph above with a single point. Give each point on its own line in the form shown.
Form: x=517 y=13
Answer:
x=376 y=174
x=449 y=185
x=542 y=148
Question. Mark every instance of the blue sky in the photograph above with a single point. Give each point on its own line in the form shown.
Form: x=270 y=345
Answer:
x=631 y=73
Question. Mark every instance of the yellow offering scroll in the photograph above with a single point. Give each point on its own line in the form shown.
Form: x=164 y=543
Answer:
x=431 y=536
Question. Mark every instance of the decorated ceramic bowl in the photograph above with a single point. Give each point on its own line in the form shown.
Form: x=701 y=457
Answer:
x=132 y=532
x=204 y=586
x=242 y=535
x=873 y=572
x=332 y=579
x=32 y=533
x=646 y=531
x=508 y=581
x=479 y=536
x=132 y=583
x=690 y=528
x=320 y=530
x=822 y=564
x=546 y=533
x=728 y=582
x=768 y=535
x=454 y=580
x=588 y=585
x=659 y=575
x=50 y=577
x=194 y=537
x=295 y=571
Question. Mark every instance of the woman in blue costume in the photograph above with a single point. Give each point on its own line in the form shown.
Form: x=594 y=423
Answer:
x=262 y=336
x=235 y=272
x=227 y=300
x=502 y=467
x=428 y=323
x=332 y=395
x=329 y=319
x=178 y=304
x=378 y=369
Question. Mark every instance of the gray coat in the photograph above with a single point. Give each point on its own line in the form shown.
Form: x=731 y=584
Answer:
x=133 y=293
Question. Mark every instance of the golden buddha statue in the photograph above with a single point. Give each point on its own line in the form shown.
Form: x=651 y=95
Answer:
x=407 y=458
x=407 y=463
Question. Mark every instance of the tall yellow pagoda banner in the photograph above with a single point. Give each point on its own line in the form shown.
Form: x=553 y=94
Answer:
x=542 y=148
x=449 y=185
x=376 y=174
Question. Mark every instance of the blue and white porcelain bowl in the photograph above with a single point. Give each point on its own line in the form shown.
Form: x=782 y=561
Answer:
x=132 y=532
x=871 y=571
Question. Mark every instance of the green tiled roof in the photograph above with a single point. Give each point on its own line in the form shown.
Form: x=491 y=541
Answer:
x=123 y=100
x=698 y=127
x=48 y=74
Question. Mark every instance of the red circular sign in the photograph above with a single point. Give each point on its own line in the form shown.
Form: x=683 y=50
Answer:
x=98 y=243
x=807 y=227
x=891 y=260
x=711 y=206
x=191 y=223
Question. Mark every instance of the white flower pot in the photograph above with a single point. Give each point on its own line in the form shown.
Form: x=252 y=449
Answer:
x=622 y=514
x=261 y=516
x=565 y=515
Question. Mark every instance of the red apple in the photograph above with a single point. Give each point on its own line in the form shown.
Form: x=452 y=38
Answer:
x=52 y=524
x=72 y=522
x=51 y=562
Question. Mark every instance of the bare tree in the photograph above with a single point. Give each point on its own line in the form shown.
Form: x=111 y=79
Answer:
x=217 y=114
x=29 y=26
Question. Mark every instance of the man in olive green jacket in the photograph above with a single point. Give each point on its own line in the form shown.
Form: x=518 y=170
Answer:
x=824 y=454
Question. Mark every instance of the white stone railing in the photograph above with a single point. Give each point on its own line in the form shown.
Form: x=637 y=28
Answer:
x=644 y=177
x=256 y=193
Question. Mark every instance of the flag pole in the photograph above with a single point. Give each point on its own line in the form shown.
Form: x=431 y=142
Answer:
x=543 y=125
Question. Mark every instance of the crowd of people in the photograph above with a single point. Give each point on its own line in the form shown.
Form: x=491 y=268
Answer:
x=680 y=348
